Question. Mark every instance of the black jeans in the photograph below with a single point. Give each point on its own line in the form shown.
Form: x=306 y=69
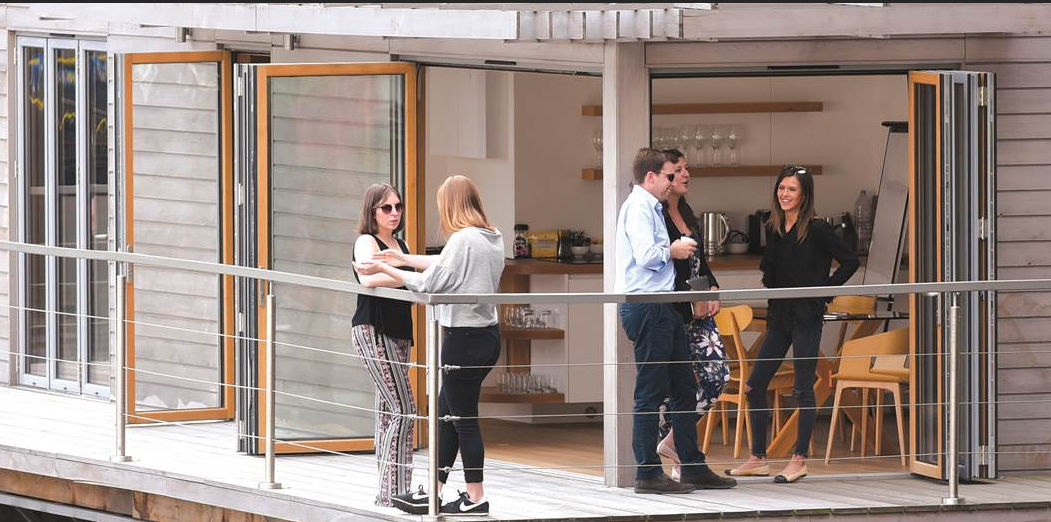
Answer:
x=459 y=397
x=659 y=337
x=806 y=342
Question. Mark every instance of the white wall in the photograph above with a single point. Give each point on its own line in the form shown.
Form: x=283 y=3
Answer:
x=553 y=141
x=552 y=146
x=846 y=138
x=492 y=175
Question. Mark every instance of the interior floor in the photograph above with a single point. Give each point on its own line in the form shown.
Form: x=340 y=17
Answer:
x=578 y=448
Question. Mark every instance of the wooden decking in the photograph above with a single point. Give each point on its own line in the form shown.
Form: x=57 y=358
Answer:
x=72 y=438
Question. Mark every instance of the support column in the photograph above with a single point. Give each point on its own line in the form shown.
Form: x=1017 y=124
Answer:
x=625 y=129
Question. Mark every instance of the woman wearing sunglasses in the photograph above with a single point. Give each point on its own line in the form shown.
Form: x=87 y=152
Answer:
x=706 y=347
x=799 y=253
x=382 y=336
x=471 y=262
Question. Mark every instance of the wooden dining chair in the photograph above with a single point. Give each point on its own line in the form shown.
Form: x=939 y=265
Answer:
x=887 y=354
x=854 y=304
x=731 y=321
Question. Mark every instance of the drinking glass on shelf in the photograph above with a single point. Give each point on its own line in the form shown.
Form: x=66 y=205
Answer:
x=545 y=319
x=548 y=384
x=700 y=138
x=732 y=138
x=684 y=136
x=596 y=141
x=716 y=143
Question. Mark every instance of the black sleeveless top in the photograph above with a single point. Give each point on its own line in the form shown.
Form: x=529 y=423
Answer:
x=388 y=316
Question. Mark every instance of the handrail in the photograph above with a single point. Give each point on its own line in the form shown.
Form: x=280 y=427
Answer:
x=213 y=268
x=534 y=298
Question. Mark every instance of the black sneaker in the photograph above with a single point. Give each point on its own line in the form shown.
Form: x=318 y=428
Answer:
x=413 y=502
x=464 y=507
x=702 y=477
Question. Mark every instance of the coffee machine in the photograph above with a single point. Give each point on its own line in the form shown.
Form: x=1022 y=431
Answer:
x=757 y=231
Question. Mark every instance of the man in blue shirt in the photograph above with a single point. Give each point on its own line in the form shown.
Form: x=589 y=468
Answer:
x=644 y=261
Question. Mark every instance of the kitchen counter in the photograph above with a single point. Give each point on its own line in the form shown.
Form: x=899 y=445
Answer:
x=542 y=267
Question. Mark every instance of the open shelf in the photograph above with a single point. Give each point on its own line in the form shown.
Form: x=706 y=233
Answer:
x=727 y=171
x=506 y=332
x=492 y=394
x=720 y=108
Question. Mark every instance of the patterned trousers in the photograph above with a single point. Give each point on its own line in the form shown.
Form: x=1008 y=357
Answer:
x=395 y=408
x=709 y=366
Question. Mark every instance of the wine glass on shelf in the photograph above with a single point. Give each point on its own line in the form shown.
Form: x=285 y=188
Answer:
x=684 y=136
x=732 y=141
x=596 y=141
x=700 y=138
x=716 y=142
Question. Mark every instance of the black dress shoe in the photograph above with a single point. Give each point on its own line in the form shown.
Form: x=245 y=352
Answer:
x=661 y=485
x=702 y=477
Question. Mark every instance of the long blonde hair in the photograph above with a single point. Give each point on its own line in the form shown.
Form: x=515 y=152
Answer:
x=460 y=206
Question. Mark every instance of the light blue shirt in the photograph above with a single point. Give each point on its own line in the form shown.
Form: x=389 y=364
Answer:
x=643 y=249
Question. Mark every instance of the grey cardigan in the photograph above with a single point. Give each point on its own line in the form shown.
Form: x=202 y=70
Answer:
x=471 y=263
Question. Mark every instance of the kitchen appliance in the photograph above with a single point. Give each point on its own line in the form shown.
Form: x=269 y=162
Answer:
x=715 y=229
x=757 y=231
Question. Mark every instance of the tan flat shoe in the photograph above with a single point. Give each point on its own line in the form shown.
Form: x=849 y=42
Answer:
x=788 y=479
x=758 y=471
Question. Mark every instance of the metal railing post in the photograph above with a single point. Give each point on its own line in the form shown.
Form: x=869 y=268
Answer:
x=433 y=388
x=120 y=392
x=952 y=460
x=268 y=388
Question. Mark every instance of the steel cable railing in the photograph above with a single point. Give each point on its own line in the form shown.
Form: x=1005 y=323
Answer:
x=951 y=288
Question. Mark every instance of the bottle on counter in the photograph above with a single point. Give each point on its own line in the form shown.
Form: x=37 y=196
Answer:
x=863 y=220
x=521 y=241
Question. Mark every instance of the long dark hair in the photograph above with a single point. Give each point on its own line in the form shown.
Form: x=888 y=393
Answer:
x=370 y=201
x=684 y=208
x=806 y=205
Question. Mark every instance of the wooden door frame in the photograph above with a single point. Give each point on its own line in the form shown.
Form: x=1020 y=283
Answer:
x=414 y=188
x=933 y=79
x=226 y=181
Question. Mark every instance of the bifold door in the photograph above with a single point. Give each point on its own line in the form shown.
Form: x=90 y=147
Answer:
x=952 y=238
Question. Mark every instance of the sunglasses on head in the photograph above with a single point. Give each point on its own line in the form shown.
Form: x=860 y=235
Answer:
x=792 y=169
x=388 y=208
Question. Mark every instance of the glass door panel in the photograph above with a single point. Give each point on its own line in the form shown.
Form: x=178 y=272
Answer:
x=97 y=218
x=325 y=134
x=178 y=201
x=64 y=123
x=35 y=218
x=925 y=167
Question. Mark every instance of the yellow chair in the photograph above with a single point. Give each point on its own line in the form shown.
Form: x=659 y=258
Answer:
x=731 y=321
x=854 y=304
x=887 y=353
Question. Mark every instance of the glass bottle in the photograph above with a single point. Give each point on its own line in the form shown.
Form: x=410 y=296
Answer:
x=521 y=241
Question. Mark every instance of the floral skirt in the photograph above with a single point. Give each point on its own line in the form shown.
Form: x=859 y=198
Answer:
x=709 y=367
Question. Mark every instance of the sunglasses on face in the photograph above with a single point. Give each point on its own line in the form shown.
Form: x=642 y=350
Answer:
x=388 y=208
x=670 y=176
